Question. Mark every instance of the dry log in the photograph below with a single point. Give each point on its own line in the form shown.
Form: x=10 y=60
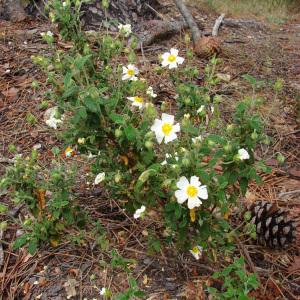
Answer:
x=155 y=30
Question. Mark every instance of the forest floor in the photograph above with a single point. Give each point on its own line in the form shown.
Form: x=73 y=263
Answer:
x=266 y=54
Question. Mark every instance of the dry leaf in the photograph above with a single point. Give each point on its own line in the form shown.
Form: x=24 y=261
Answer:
x=295 y=266
x=11 y=93
x=70 y=287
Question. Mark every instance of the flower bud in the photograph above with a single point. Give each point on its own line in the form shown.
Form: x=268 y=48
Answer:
x=186 y=162
x=227 y=148
x=118 y=133
x=280 y=158
x=118 y=177
x=149 y=145
x=187 y=101
x=254 y=135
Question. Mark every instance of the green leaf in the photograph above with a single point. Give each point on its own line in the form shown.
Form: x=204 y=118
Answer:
x=21 y=241
x=131 y=133
x=81 y=61
x=32 y=246
x=91 y=104
x=244 y=185
x=118 y=119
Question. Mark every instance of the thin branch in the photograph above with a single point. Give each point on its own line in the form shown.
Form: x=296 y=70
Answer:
x=189 y=20
x=217 y=25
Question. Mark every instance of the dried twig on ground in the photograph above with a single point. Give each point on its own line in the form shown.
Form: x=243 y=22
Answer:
x=217 y=25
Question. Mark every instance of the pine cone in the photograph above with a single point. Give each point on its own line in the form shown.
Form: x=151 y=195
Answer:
x=207 y=47
x=273 y=228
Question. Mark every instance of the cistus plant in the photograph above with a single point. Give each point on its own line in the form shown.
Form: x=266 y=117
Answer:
x=47 y=196
x=186 y=162
x=236 y=282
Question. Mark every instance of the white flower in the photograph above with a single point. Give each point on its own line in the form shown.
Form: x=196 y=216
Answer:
x=171 y=59
x=197 y=252
x=200 y=109
x=103 y=291
x=99 y=178
x=49 y=33
x=130 y=72
x=64 y=4
x=137 y=101
x=150 y=92
x=191 y=191
x=187 y=116
x=243 y=154
x=125 y=29
x=52 y=121
x=139 y=212
x=197 y=139
x=165 y=128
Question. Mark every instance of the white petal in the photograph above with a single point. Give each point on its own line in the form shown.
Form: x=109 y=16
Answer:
x=130 y=67
x=164 y=63
x=176 y=127
x=202 y=192
x=174 y=51
x=179 y=60
x=156 y=126
x=167 y=118
x=171 y=137
x=165 y=56
x=173 y=65
x=125 y=70
x=194 y=202
x=195 y=181
x=181 y=196
x=159 y=137
x=182 y=183
x=125 y=77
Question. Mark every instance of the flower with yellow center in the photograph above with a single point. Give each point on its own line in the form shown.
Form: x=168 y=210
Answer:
x=192 y=191
x=69 y=151
x=165 y=128
x=197 y=252
x=171 y=59
x=137 y=101
x=130 y=72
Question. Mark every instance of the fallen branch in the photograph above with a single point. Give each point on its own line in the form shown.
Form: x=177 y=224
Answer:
x=203 y=46
x=155 y=30
x=189 y=20
x=217 y=25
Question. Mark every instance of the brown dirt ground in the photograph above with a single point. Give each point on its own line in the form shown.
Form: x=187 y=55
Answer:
x=267 y=55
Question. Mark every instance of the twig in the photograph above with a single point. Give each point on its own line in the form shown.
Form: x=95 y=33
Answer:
x=189 y=20
x=1 y=248
x=246 y=254
x=217 y=25
x=288 y=193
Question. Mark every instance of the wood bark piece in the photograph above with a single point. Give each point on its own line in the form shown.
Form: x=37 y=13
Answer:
x=12 y=10
x=217 y=25
x=154 y=30
x=189 y=19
